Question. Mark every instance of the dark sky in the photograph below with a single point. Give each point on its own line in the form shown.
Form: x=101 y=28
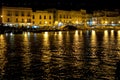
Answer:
x=65 y=4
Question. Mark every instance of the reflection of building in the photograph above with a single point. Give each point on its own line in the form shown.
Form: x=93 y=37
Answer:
x=16 y=16
x=42 y=18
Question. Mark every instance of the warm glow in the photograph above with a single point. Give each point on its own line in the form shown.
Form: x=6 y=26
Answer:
x=76 y=36
x=119 y=22
x=46 y=56
x=46 y=39
x=93 y=38
x=93 y=43
x=112 y=22
x=3 y=59
x=60 y=37
x=94 y=22
x=45 y=22
x=76 y=22
x=105 y=36
x=106 y=22
x=26 y=49
x=56 y=22
x=1 y=16
x=112 y=34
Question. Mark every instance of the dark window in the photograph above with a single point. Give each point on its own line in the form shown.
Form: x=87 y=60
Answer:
x=8 y=19
x=33 y=22
x=16 y=13
x=9 y=13
x=28 y=14
x=44 y=17
x=28 y=20
x=33 y=17
x=16 y=19
x=22 y=20
x=49 y=22
x=22 y=13
x=49 y=17
x=64 y=16
x=40 y=17
x=40 y=22
x=60 y=16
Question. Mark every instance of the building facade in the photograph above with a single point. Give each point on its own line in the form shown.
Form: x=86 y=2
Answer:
x=42 y=18
x=16 y=16
x=26 y=17
x=106 y=18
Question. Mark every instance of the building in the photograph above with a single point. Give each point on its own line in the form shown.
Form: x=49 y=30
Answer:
x=42 y=18
x=16 y=16
x=106 y=18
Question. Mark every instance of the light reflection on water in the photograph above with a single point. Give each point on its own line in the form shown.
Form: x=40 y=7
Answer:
x=85 y=55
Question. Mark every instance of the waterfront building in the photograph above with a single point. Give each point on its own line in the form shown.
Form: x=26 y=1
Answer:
x=42 y=18
x=51 y=18
x=106 y=18
x=63 y=17
x=16 y=16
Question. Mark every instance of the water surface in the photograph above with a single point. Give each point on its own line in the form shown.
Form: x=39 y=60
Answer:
x=62 y=55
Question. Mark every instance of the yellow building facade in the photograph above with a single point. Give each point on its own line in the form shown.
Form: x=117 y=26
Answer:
x=70 y=17
x=42 y=18
x=16 y=16
x=106 y=18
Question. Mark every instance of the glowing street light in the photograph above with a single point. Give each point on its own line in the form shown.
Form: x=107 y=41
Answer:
x=76 y=22
x=1 y=16
x=106 y=22
x=112 y=22
x=119 y=22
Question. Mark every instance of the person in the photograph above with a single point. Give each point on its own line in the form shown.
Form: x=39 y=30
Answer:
x=117 y=72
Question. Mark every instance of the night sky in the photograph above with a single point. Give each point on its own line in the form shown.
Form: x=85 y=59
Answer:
x=65 y=4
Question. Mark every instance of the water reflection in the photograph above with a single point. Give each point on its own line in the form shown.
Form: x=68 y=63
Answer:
x=80 y=54
x=26 y=51
x=3 y=59
x=46 y=55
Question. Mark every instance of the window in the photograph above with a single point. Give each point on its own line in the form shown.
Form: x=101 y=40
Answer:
x=22 y=20
x=22 y=13
x=44 y=17
x=33 y=17
x=8 y=19
x=28 y=20
x=40 y=22
x=49 y=22
x=16 y=13
x=16 y=19
x=33 y=22
x=67 y=17
x=9 y=13
x=28 y=14
x=40 y=17
x=64 y=16
x=49 y=17
x=60 y=16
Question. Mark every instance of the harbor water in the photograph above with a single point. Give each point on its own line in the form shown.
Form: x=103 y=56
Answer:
x=60 y=55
